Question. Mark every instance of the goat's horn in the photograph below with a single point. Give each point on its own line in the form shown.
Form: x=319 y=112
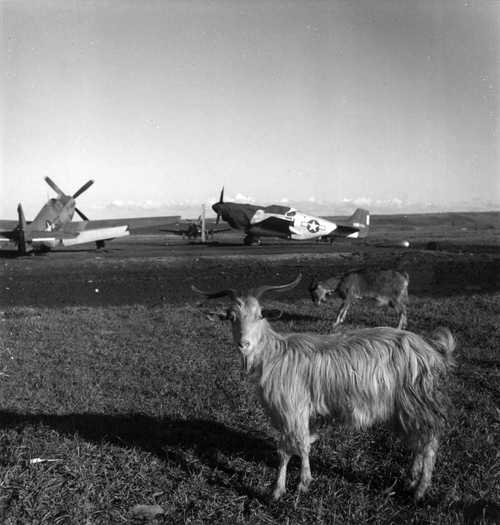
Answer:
x=213 y=295
x=258 y=292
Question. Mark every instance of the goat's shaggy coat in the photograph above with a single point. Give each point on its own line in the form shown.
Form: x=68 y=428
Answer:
x=359 y=378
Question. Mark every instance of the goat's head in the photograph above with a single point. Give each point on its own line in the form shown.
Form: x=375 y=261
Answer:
x=245 y=314
x=319 y=291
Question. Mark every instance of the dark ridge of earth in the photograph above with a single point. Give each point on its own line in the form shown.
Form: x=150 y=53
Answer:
x=145 y=272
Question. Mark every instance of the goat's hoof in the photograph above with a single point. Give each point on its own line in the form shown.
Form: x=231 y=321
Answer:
x=304 y=486
x=411 y=485
x=277 y=493
x=419 y=494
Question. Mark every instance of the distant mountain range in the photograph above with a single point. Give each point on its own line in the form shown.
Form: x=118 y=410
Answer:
x=192 y=209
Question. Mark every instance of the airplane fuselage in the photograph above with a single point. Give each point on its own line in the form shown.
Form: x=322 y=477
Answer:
x=273 y=221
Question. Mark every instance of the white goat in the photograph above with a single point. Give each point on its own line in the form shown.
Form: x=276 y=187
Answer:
x=387 y=287
x=359 y=378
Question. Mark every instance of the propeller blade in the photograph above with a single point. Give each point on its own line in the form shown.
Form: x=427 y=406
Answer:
x=21 y=238
x=85 y=187
x=54 y=186
x=217 y=208
x=82 y=215
x=21 y=218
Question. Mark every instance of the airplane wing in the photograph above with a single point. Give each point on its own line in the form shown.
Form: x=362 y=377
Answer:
x=65 y=238
x=178 y=231
x=4 y=239
x=7 y=226
x=94 y=235
x=217 y=229
x=135 y=224
x=275 y=223
x=58 y=238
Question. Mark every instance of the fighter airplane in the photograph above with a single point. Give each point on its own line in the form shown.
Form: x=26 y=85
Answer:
x=194 y=229
x=53 y=226
x=287 y=223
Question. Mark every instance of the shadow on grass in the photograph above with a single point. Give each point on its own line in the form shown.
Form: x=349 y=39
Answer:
x=213 y=445
x=173 y=440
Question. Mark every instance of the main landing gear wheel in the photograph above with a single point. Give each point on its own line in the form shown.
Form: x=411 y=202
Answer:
x=251 y=241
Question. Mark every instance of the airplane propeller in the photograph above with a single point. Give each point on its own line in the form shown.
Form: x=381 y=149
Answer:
x=61 y=193
x=85 y=187
x=82 y=215
x=21 y=225
x=55 y=187
x=221 y=201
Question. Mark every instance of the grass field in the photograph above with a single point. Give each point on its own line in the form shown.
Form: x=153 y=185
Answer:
x=140 y=404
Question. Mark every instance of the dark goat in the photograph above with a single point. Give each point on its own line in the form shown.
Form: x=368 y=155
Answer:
x=387 y=287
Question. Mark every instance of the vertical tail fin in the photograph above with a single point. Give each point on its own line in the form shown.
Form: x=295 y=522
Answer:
x=361 y=219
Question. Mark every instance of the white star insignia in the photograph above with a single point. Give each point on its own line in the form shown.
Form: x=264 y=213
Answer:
x=313 y=226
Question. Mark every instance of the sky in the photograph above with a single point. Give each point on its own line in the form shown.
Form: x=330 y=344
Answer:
x=164 y=102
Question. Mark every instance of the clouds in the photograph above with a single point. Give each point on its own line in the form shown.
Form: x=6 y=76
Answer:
x=192 y=208
x=166 y=101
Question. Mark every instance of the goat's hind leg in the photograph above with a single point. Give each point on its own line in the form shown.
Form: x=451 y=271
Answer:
x=416 y=470
x=428 y=460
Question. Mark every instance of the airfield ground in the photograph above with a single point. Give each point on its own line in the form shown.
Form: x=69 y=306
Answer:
x=110 y=368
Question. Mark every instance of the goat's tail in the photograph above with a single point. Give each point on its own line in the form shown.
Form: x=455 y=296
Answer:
x=444 y=342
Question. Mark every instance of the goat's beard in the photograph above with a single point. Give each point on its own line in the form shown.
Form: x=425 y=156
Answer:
x=246 y=363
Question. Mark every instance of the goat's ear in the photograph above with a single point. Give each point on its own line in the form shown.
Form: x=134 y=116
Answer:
x=272 y=315
x=215 y=315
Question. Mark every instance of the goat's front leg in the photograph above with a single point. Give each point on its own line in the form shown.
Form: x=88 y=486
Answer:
x=305 y=471
x=401 y=311
x=403 y=321
x=280 y=488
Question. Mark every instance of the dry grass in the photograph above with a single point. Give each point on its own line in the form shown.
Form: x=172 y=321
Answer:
x=146 y=405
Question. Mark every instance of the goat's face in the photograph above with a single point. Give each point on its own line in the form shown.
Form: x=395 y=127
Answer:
x=319 y=292
x=246 y=319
